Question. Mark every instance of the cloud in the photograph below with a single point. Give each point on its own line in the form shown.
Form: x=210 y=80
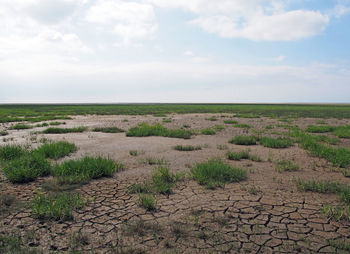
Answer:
x=251 y=19
x=130 y=20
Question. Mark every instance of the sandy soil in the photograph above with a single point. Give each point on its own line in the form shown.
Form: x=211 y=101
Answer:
x=263 y=214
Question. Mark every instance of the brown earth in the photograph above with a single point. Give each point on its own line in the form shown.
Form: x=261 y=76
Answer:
x=263 y=214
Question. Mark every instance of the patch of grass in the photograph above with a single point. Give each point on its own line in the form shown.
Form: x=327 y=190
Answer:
x=55 y=186
x=56 y=207
x=145 y=130
x=4 y=133
x=108 y=129
x=85 y=169
x=213 y=119
x=245 y=115
x=321 y=122
x=27 y=168
x=219 y=127
x=342 y=131
x=337 y=212
x=320 y=186
x=42 y=125
x=208 y=131
x=56 y=150
x=163 y=180
x=231 y=121
x=243 y=125
x=140 y=188
x=320 y=129
x=244 y=140
x=148 y=202
x=269 y=127
x=53 y=130
x=21 y=126
x=155 y=161
x=287 y=165
x=341 y=244
x=159 y=115
x=13 y=243
x=276 y=142
x=187 y=148
x=11 y=152
x=214 y=173
x=222 y=147
x=167 y=120
x=56 y=123
x=242 y=155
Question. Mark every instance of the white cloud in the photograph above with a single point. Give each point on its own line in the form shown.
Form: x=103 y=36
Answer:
x=130 y=20
x=280 y=58
x=188 y=53
x=251 y=19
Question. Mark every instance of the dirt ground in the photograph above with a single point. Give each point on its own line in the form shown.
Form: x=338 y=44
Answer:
x=264 y=214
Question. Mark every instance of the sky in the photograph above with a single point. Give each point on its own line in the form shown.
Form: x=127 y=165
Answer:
x=174 y=51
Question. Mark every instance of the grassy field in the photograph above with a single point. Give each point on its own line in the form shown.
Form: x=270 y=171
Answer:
x=36 y=113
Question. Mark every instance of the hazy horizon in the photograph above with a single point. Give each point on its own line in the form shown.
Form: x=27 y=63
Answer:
x=161 y=51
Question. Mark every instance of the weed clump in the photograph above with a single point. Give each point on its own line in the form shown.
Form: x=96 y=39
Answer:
x=276 y=142
x=244 y=140
x=287 y=165
x=145 y=130
x=85 y=169
x=56 y=150
x=148 y=202
x=216 y=173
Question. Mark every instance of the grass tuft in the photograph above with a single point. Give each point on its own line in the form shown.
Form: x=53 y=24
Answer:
x=244 y=140
x=163 y=180
x=85 y=169
x=208 y=131
x=148 y=202
x=108 y=129
x=187 y=148
x=287 y=165
x=20 y=126
x=145 y=130
x=217 y=173
x=56 y=207
x=276 y=142
x=54 y=130
x=320 y=129
x=11 y=152
x=56 y=150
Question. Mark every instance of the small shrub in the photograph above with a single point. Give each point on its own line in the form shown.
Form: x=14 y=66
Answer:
x=21 y=126
x=276 y=142
x=231 y=122
x=320 y=129
x=56 y=207
x=53 y=130
x=56 y=150
x=11 y=152
x=187 y=148
x=27 y=168
x=108 y=129
x=3 y=133
x=244 y=140
x=85 y=169
x=208 y=131
x=287 y=165
x=216 y=173
x=148 y=202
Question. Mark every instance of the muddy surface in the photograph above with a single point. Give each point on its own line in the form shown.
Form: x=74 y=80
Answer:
x=264 y=214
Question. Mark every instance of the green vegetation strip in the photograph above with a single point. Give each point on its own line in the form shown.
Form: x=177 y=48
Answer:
x=145 y=130
x=244 y=140
x=54 y=130
x=108 y=129
x=276 y=142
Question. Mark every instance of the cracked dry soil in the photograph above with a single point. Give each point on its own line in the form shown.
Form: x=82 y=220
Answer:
x=264 y=214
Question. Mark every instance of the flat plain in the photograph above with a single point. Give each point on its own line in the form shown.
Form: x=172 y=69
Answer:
x=175 y=179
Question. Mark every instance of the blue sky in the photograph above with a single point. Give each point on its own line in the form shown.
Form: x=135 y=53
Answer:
x=62 y=51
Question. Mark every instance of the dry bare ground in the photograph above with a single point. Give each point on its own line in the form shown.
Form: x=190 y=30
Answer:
x=264 y=214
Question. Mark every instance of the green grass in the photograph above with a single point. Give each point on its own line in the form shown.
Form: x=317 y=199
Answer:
x=27 y=168
x=140 y=188
x=163 y=180
x=246 y=115
x=320 y=129
x=231 y=122
x=242 y=125
x=4 y=133
x=286 y=165
x=276 y=142
x=214 y=173
x=219 y=127
x=21 y=126
x=167 y=120
x=56 y=150
x=213 y=119
x=145 y=130
x=342 y=131
x=56 y=123
x=208 y=131
x=14 y=243
x=42 y=125
x=85 y=169
x=148 y=202
x=108 y=129
x=187 y=148
x=56 y=207
x=341 y=244
x=54 y=130
x=11 y=152
x=237 y=156
x=244 y=140
x=154 y=161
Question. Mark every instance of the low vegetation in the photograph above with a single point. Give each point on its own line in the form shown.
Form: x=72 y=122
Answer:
x=56 y=207
x=85 y=169
x=276 y=142
x=4 y=133
x=287 y=165
x=56 y=150
x=231 y=122
x=320 y=129
x=21 y=126
x=148 y=202
x=11 y=152
x=237 y=156
x=243 y=125
x=145 y=130
x=108 y=129
x=244 y=140
x=187 y=148
x=54 y=130
x=214 y=173
x=208 y=131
